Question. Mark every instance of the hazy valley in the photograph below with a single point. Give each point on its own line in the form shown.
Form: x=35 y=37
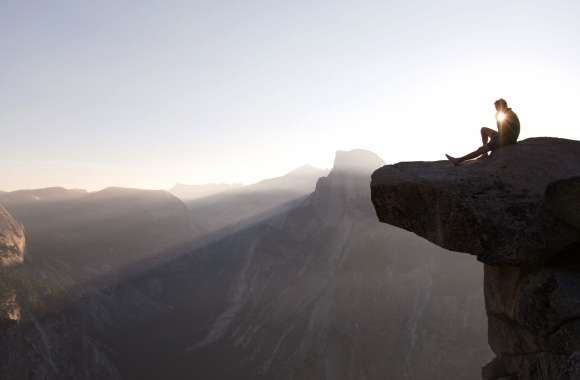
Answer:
x=293 y=277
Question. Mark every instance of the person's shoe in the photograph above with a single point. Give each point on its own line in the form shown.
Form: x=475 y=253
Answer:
x=454 y=161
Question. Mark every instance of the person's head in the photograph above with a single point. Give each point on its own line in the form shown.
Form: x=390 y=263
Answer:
x=500 y=105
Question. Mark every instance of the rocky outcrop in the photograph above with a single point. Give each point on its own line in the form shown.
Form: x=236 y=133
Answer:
x=519 y=213
x=11 y=253
x=11 y=240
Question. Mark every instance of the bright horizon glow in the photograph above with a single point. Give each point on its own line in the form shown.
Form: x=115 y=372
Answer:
x=148 y=94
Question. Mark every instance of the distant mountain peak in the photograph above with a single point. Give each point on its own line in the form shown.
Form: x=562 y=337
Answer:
x=306 y=170
x=357 y=159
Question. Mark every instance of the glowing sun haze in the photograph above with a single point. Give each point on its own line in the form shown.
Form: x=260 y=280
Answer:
x=149 y=93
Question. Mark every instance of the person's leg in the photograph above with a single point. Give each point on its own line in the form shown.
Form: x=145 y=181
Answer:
x=481 y=151
x=487 y=135
x=489 y=140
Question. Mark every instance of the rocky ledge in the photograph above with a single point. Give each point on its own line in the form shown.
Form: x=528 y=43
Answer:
x=519 y=213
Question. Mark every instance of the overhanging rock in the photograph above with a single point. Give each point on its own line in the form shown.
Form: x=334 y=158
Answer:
x=519 y=213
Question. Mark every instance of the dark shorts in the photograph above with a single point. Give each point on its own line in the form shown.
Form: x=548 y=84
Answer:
x=496 y=143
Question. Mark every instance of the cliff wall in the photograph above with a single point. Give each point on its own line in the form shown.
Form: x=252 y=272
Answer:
x=519 y=213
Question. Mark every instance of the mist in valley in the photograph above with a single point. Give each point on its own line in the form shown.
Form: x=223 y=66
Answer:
x=292 y=277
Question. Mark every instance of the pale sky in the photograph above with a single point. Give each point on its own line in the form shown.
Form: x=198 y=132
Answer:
x=149 y=93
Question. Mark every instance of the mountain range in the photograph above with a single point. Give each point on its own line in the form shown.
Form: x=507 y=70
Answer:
x=288 y=278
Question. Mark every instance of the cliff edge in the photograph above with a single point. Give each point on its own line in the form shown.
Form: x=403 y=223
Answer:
x=519 y=213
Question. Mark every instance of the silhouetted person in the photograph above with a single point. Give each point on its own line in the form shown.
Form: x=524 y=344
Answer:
x=508 y=131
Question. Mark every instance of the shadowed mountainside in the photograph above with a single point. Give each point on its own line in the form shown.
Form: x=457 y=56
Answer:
x=317 y=290
x=518 y=212
x=78 y=235
x=249 y=204
x=323 y=294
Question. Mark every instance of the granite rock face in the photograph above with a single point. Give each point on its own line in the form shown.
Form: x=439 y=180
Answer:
x=11 y=240
x=12 y=243
x=519 y=213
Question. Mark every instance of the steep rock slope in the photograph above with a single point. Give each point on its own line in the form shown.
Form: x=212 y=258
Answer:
x=316 y=292
x=518 y=212
x=343 y=301
x=12 y=239
x=12 y=244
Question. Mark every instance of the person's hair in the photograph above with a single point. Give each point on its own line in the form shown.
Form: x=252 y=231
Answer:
x=502 y=102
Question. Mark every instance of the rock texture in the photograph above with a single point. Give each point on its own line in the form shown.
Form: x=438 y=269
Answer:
x=12 y=244
x=11 y=240
x=519 y=213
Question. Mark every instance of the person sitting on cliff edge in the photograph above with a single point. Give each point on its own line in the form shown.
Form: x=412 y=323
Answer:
x=508 y=131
